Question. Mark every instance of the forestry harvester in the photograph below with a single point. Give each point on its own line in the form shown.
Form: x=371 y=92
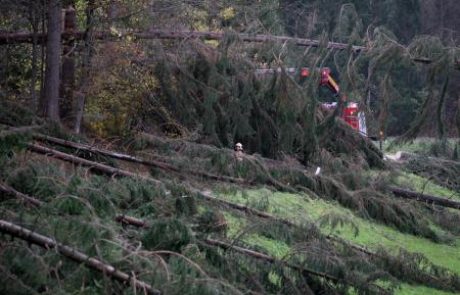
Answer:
x=350 y=114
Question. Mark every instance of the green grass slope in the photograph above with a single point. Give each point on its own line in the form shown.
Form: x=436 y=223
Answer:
x=355 y=229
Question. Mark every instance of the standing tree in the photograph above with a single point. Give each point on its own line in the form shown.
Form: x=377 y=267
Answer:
x=86 y=70
x=68 y=65
x=50 y=99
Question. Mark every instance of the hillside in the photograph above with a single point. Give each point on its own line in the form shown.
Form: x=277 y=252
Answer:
x=191 y=218
x=229 y=147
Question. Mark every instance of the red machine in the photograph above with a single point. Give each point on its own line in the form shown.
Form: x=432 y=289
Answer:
x=351 y=114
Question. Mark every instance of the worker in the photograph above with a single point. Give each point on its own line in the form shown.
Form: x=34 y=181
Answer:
x=239 y=151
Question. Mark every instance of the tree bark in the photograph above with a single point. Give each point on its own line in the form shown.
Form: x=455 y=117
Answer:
x=53 y=54
x=86 y=66
x=75 y=255
x=34 y=22
x=68 y=66
x=440 y=107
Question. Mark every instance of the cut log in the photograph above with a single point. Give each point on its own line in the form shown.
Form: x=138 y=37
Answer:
x=129 y=158
x=425 y=198
x=73 y=254
x=23 y=197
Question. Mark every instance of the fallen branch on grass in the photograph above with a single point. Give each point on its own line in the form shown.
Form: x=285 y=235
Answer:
x=399 y=192
x=71 y=253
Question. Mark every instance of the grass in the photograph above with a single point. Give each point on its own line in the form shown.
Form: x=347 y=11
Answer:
x=407 y=289
x=237 y=227
x=372 y=235
x=424 y=185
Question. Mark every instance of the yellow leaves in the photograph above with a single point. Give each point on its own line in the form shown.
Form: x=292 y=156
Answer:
x=118 y=88
x=213 y=43
x=199 y=19
x=227 y=13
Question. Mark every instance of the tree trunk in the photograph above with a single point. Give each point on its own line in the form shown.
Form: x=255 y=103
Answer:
x=23 y=197
x=457 y=119
x=441 y=127
x=75 y=255
x=425 y=198
x=53 y=54
x=129 y=158
x=41 y=102
x=68 y=66
x=86 y=70
x=34 y=22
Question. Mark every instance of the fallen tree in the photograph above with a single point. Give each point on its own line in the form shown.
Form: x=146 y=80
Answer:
x=204 y=194
x=27 y=37
x=23 y=197
x=75 y=255
x=265 y=257
x=105 y=169
x=111 y=171
x=129 y=158
x=399 y=192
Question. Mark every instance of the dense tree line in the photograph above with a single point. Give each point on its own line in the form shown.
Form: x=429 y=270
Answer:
x=65 y=79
